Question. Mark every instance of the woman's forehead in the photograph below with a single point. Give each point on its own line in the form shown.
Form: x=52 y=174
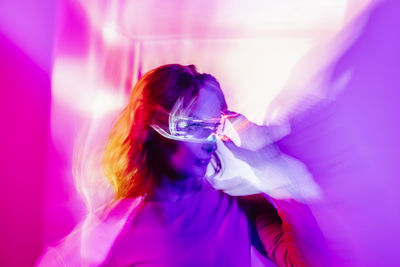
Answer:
x=207 y=104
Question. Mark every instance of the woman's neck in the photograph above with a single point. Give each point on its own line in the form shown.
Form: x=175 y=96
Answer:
x=169 y=189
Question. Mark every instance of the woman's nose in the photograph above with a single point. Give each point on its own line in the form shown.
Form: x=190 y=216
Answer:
x=210 y=145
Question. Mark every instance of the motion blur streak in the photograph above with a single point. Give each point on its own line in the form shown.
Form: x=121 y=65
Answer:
x=322 y=74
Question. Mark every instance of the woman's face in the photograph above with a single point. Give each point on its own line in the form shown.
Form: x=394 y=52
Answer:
x=186 y=159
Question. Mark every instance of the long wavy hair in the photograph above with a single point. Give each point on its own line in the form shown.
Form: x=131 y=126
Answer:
x=127 y=156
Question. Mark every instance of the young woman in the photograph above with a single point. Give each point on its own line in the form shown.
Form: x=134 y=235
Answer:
x=166 y=212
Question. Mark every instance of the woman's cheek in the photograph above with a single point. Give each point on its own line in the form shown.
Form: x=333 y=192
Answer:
x=184 y=158
x=180 y=158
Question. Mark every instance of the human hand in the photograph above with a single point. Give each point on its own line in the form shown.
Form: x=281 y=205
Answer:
x=248 y=135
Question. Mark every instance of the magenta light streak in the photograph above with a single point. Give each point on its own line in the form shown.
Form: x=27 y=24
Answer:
x=26 y=40
x=25 y=109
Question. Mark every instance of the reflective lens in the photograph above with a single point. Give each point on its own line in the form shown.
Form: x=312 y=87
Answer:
x=193 y=130
x=197 y=128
